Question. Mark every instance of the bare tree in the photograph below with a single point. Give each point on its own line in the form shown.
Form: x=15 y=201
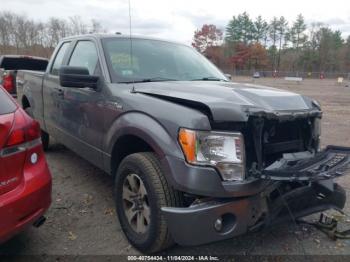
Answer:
x=56 y=29
x=21 y=35
x=96 y=27
x=5 y=25
x=77 y=26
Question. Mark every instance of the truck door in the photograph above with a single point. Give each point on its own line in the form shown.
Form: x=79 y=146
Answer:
x=82 y=118
x=53 y=93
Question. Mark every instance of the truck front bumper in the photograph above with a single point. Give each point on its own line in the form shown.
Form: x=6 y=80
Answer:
x=221 y=219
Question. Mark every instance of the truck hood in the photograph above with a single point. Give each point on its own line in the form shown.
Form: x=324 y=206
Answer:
x=228 y=101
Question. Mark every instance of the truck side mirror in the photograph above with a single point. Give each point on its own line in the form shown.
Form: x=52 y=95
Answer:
x=77 y=77
x=228 y=76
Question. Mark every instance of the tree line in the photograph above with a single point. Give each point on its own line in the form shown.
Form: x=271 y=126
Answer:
x=245 y=43
x=276 y=45
x=22 y=35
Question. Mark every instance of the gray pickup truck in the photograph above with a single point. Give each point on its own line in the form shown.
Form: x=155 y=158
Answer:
x=195 y=158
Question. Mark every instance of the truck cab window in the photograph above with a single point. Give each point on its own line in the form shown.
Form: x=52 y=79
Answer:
x=85 y=55
x=59 y=58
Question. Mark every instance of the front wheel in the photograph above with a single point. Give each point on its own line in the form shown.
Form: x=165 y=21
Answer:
x=141 y=191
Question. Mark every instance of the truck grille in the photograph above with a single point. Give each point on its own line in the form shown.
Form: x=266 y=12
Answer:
x=267 y=140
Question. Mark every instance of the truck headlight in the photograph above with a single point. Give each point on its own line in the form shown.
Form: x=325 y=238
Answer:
x=225 y=151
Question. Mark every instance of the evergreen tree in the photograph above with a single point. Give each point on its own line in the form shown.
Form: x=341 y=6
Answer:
x=274 y=36
x=282 y=30
x=261 y=28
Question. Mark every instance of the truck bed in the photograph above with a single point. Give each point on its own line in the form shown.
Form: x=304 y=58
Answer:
x=11 y=64
x=33 y=80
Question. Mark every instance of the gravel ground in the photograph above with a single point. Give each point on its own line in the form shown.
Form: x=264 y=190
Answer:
x=82 y=219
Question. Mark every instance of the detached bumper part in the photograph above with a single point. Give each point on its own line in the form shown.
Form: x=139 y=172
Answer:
x=222 y=219
x=305 y=201
x=332 y=162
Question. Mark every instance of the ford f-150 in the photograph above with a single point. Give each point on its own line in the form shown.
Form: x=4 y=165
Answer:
x=196 y=158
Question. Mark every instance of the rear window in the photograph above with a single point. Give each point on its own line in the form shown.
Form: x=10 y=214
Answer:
x=23 y=63
x=6 y=104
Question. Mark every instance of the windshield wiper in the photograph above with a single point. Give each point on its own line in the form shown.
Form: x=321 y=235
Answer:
x=209 y=78
x=153 y=79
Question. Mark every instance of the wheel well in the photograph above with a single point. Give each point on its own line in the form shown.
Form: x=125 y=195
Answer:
x=25 y=102
x=127 y=145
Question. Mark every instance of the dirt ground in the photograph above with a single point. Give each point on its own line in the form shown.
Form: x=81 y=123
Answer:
x=82 y=219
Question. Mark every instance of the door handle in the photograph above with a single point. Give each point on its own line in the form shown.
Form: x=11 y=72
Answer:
x=60 y=91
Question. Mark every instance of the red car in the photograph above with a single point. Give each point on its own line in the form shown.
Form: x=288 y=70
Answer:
x=25 y=180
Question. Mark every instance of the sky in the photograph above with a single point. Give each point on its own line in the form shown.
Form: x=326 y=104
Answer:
x=178 y=19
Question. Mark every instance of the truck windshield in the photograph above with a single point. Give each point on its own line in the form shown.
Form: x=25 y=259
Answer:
x=155 y=60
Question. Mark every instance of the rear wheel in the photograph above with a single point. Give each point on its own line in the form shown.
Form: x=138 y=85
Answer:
x=141 y=191
x=45 y=138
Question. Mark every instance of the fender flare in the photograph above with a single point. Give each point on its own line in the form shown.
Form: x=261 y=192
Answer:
x=146 y=128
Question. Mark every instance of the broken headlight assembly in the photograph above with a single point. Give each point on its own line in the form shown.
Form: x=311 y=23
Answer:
x=224 y=151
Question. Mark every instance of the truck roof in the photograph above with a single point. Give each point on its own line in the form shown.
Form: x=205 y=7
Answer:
x=121 y=36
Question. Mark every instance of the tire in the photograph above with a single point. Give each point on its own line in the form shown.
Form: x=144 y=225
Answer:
x=45 y=138
x=147 y=168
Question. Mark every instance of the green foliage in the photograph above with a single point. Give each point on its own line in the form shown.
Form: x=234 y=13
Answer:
x=297 y=34
x=240 y=29
x=273 y=31
x=329 y=44
x=295 y=47
x=261 y=28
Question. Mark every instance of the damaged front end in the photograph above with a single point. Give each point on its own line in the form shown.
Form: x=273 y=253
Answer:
x=271 y=136
x=285 y=174
x=284 y=150
x=211 y=220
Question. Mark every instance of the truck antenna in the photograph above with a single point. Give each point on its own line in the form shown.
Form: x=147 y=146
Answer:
x=131 y=47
